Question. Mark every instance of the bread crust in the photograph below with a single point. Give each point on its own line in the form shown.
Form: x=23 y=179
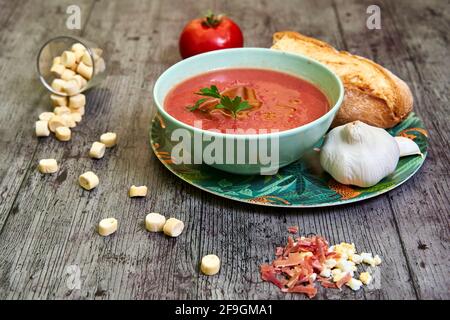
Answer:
x=373 y=94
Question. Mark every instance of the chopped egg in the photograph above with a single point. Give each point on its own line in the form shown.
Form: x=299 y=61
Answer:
x=356 y=258
x=377 y=260
x=365 y=278
x=344 y=256
x=339 y=276
x=326 y=273
x=354 y=284
x=345 y=248
x=335 y=272
x=330 y=263
x=367 y=258
x=345 y=265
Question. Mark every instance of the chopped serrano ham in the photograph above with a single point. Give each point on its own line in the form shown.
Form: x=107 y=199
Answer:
x=333 y=255
x=317 y=265
x=293 y=259
x=268 y=273
x=306 y=260
x=327 y=283
x=309 y=290
x=321 y=248
x=293 y=269
x=288 y=247
x=279 y=251
x=293 y=229
x=343 y=280
x=293 y=280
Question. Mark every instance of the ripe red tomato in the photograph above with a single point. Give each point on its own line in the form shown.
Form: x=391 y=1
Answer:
x=209 y=33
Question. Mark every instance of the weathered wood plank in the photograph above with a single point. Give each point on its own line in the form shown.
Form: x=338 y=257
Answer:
x=6 y=10
x=22 y=100
x=22 y=95
x=422 y=208
x=416 y=52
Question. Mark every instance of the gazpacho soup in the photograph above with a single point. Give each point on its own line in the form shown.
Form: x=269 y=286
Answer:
x=233 y=100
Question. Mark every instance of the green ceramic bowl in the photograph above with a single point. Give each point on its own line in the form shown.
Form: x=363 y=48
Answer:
x=292 y=144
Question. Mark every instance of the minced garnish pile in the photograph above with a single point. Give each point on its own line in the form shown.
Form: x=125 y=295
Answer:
x=307 y=260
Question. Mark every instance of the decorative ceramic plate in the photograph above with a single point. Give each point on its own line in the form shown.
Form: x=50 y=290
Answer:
x=300 y=184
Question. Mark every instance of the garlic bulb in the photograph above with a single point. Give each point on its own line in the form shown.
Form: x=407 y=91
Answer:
x=359 y=154
x=407 y=147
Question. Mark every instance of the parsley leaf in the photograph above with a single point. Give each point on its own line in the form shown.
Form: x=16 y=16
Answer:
x=234 y=106
x=197 y=104
x=210 y=92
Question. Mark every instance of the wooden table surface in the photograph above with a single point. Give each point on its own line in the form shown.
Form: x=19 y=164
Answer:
x=48 y=223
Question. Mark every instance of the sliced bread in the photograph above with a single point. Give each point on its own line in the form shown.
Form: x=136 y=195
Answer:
x=372 y=93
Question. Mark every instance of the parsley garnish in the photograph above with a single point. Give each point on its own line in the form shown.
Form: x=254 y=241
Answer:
x=197 y=104
x=234 y=106
x=210 y=92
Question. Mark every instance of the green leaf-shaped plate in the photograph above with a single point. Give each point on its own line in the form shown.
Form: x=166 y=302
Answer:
x=300 y=184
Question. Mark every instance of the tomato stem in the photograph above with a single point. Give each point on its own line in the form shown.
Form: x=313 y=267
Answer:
x=211 y=20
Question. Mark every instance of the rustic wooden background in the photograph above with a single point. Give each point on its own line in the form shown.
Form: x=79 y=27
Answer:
x=48 y=223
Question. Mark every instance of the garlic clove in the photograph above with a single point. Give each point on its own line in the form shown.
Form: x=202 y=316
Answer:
x=359 y=154
x=407 y=147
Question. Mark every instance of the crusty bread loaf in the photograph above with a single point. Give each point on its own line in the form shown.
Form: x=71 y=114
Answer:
x=372 y=93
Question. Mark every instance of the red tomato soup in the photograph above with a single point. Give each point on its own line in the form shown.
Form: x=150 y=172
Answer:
x=278 y=101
